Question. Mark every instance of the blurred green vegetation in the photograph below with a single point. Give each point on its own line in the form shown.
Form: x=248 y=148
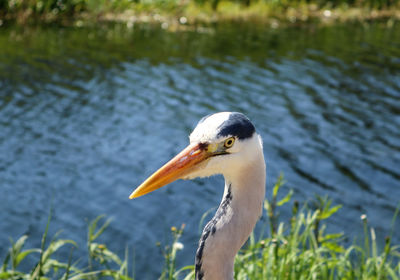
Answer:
x=299 y=248
x=68 y=10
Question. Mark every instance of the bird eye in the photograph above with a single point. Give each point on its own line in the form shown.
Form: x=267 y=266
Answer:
x=229 y=142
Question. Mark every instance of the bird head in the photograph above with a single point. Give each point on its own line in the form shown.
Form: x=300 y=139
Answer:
x=221 y=143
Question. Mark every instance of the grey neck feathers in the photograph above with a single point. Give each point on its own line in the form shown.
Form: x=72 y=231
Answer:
x=210 y=230
x=232 y=224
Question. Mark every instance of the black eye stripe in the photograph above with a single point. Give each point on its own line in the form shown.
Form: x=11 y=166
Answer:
x=237 y=125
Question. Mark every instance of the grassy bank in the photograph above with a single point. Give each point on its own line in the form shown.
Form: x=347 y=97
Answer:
x=183 y=12
x=299 y=248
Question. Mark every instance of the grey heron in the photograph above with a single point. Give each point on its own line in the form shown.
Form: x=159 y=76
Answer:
x=223 y=143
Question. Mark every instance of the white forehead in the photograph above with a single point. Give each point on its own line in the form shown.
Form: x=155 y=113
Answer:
x=208 y=128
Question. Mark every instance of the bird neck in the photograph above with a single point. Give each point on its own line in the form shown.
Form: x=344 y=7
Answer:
x=228 y=230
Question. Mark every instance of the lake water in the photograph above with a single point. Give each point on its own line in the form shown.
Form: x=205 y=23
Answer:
x=86 y=114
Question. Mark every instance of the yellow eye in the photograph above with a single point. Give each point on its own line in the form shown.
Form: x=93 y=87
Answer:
x=229 y=142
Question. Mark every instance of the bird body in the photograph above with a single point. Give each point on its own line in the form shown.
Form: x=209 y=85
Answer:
x=224 y=143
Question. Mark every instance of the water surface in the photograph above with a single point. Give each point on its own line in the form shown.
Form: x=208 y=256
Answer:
x=87 y=113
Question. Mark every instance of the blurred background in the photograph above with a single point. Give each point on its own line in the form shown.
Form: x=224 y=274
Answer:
x=90 y=106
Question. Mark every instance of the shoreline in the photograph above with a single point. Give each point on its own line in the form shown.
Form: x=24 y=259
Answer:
x=192 y=14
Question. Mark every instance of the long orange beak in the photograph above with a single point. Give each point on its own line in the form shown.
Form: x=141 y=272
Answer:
x=173 y=170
